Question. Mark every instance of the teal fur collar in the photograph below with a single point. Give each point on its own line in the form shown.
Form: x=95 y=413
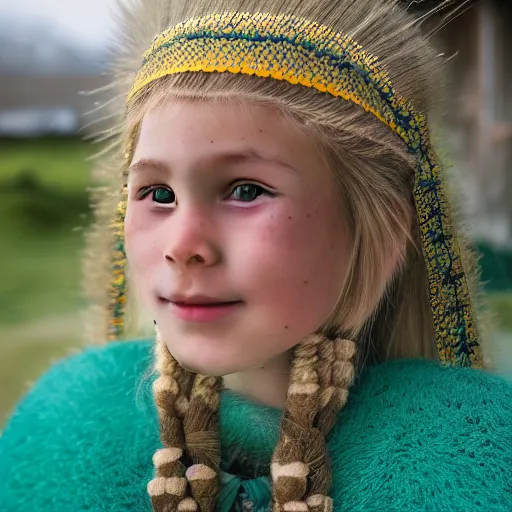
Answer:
x=414 y=437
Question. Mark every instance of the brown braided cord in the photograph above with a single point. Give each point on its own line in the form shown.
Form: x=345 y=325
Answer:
x=321 y=372
x=336 y=373
x=203 y=443
x=289 y=470
x=187 y=468
x=169 y=487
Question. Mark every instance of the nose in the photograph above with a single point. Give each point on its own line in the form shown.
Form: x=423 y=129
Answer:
x=190 y=238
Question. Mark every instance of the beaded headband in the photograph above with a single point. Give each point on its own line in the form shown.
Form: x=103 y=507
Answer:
x=312 y=55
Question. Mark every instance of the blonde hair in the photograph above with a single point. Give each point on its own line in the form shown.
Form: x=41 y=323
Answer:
x=387 y=317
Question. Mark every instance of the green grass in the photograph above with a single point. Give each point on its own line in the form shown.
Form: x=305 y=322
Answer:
x=43 y=211
x=59 y=163
x=41 y=276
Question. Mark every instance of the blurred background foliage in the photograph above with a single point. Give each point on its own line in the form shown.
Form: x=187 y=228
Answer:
x=43 y=213
x=45 y=172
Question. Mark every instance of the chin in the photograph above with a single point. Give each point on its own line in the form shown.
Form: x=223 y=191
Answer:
x=209 y=357
x=210 y=370
x=210 y=366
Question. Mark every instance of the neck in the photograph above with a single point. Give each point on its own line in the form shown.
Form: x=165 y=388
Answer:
x=267 y=385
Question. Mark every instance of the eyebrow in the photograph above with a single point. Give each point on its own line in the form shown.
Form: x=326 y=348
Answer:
x=227 y=158
x=147 y=163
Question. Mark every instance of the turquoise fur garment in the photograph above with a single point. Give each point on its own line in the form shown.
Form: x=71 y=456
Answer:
x=413 y=437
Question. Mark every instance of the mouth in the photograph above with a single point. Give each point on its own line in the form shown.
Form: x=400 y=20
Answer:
x=201 y=309
x=196 y=300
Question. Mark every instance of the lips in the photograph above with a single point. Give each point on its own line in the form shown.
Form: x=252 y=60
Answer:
x=197 y=300
x=203 y=305
x=202 y=312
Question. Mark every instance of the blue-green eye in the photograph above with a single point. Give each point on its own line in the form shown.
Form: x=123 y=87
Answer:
x=247 y=192
x=163 y=195
x=160 y=195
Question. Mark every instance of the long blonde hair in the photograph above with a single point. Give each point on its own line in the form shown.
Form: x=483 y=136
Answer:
x=386 y=318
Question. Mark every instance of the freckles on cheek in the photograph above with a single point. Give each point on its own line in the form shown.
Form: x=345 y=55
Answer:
x=301 y=246
x=287 y=245
x=289 y=231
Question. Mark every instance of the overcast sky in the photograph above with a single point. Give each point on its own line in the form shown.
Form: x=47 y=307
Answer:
x=86 y=21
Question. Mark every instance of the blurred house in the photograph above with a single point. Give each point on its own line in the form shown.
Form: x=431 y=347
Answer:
x=41 y=77
x=479 y=115
x=32 y=105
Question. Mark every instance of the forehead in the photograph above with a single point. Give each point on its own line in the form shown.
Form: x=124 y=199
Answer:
x=183 y=130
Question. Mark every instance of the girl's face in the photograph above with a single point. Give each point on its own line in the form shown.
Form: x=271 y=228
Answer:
x=232 y=204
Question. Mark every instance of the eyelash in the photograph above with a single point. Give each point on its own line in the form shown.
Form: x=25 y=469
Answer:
x=145 y=191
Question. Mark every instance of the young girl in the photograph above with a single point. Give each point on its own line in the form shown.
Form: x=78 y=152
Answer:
x=284 y=219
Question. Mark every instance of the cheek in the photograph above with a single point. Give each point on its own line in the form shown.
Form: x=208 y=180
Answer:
x=299 y=261
x=141 y=247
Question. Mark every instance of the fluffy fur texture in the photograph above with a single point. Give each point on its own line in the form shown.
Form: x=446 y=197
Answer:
x=413 y=436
